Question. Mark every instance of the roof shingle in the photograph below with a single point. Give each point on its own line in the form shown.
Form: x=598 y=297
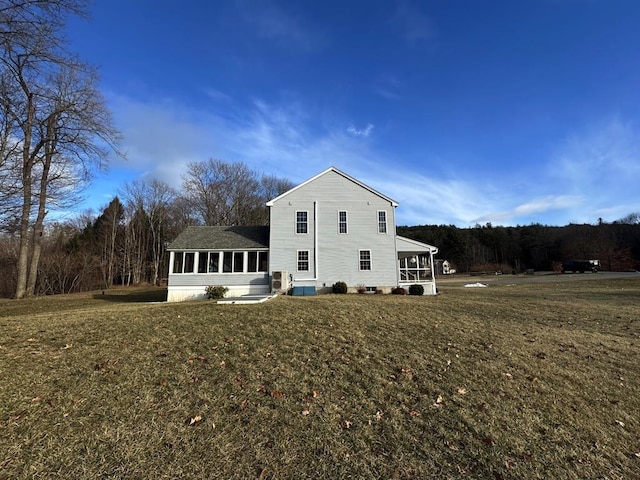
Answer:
x=222 y=238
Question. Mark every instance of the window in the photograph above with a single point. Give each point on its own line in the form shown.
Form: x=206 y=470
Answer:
x=227 y=261
x=263 y=261
x=238 y=262
x=257 y=261
x=342 y=221
x=365 y=259
x=214 y=262
x=416 y=268
x=202 y=262
x=301 y=222
x=382 y=221
x=252 y=261
x=189 y=259
x=184 y=262
x=303 y=260
x=178 y=258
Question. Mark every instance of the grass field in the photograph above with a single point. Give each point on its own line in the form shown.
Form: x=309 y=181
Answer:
x=506 y=382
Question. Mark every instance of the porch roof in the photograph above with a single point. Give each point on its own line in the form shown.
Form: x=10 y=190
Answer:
x=222 y=238
x=407 y=246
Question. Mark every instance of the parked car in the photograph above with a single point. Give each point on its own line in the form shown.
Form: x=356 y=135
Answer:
x=580 y=266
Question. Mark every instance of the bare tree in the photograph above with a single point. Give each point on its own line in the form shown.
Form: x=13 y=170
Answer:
x=154 y=198
x=53 y=115
x=229 y=193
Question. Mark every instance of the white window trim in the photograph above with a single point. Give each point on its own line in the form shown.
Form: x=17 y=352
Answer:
x=184 y=262
x=386 y=222
x=298 y=260
x=360 y=260
x=296 y=222
x=346 y=222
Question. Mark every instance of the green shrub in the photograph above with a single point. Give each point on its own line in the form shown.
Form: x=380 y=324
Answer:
x=416 y=290
x=339 y=287
x=215 y=292
x=398 y=291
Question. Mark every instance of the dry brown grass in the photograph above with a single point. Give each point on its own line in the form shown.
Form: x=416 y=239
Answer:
x=502 y=382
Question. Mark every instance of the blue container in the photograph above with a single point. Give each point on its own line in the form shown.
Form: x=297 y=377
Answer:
x=300 y=291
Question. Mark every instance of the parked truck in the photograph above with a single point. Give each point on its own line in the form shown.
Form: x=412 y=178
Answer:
x=580 y=266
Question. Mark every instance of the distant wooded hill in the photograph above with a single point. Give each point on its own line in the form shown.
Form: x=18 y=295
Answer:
x=538 y=247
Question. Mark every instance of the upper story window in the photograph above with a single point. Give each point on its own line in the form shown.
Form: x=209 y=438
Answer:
x=342 y=221
x=302 y=225
x=382 y=221
x=303 y=260
x=365 y=259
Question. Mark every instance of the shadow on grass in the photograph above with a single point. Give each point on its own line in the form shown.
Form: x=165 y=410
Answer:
x=135 y=296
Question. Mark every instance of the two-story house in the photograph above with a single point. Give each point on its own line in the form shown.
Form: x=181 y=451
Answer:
x=329 y=228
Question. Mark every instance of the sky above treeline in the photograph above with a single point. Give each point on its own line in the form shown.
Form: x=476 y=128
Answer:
x=463 y=111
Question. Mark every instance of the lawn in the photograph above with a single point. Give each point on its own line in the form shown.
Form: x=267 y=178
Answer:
x=506 y=382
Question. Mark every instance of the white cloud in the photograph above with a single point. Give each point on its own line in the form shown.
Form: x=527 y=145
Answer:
x=602 y=163
x=589 y=176
x=607 y=152
x=365 y=132
x=412 y=23
x=273 y=22
x=536 y=206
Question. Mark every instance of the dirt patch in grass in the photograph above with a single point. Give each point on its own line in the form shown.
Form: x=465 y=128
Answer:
x=502 y=382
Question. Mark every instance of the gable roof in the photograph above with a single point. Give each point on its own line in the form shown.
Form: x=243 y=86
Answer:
x=222 y=238
x=335 y=170
x=404 y=244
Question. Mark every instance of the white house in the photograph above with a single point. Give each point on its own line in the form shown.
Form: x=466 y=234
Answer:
x=329 y=228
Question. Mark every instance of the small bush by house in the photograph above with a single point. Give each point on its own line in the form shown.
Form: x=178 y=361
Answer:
x=339 y=287
x=416 y=289
x=216 y=292
x=398 y=291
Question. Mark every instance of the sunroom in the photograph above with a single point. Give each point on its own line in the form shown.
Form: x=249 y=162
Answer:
x=233 y=257
x=415 y=264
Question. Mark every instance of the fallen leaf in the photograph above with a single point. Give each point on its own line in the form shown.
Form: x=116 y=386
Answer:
x=619 y=423
x=191 y=421
x=277 y=394
x=378 y=415
x=348 y=424
x=414 y=413
x=305 y=412
x=315 y=394
x=462 y=390
x=67 y=346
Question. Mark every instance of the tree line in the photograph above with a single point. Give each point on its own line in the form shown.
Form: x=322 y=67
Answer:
x=125 y=244
x=488 y=248
x=55 y=134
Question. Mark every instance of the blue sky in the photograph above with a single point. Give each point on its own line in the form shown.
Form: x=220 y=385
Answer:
x=463 y=111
